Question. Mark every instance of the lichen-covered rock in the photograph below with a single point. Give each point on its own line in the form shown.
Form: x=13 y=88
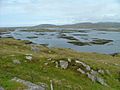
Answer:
x=88 y=68
x=16 y=62
x=95 y=78
x=79 y=62
x=30 y=85
x=101 y=81
x=94 y=72
x=69 y=60
x=29 y=58
x=101 y=71
x=56 y=64
x=91 y=74
x=92 y=77
x=46 y=64
x=63 y=64
x=83 y=64
x=81 y=71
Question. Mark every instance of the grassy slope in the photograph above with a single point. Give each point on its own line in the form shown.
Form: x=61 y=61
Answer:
x=36 y=71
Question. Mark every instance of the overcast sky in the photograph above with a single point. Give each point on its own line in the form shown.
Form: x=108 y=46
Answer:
x=33 y=12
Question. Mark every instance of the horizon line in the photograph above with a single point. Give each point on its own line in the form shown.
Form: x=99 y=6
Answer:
x=55 y=24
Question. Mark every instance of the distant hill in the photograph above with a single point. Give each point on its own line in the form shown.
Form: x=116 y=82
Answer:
x=82 y=25
x=45 y=26
x=99 y=25
x=94 y=25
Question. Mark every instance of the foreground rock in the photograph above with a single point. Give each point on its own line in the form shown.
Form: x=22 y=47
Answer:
x=29 y=58
x=91 y=74
x=81 y=71
x=1 y=88
x=92 y=77
x=16 y=62
x=83 y=68
x=101 y=81
x=101 y=71
x=63 y=64
x=30 y=85
x=57 y=65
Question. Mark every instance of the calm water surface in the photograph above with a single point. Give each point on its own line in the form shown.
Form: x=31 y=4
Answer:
x=52 y=39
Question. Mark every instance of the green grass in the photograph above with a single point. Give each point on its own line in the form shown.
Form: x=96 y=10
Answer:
x=36 y=71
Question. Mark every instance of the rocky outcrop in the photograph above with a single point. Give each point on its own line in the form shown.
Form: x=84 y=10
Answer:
x=92 y=77
x=101 y=81
x=91 y=74
x=30 y=85
x=83 y=68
